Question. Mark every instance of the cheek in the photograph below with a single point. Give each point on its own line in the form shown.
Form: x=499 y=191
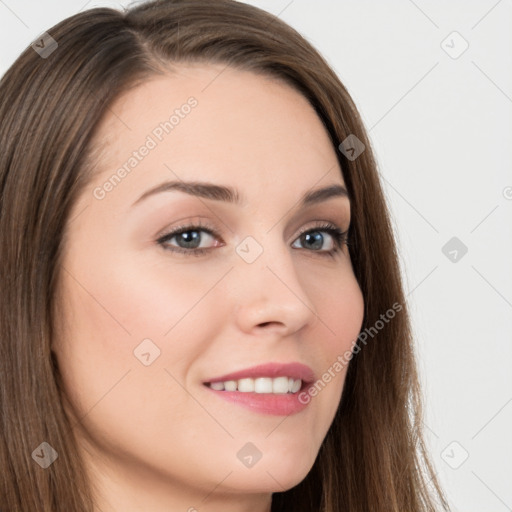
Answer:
x=111 y=390
x=155 y=298
x=115 y=314
x=340 y=308
x=339 y=304
x=119 y=303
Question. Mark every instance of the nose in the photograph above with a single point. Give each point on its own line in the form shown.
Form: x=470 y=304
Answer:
x=269 y=294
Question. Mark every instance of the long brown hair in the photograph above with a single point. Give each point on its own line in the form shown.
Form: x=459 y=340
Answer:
x=374 y=456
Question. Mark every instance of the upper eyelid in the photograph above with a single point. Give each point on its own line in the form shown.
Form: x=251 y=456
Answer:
x=200 y=224
x=188 y=226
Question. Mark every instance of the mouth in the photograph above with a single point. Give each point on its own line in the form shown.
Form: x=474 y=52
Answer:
x=269 y=389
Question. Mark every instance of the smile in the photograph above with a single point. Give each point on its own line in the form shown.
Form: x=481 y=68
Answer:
x=277 y=385
x=271 y=388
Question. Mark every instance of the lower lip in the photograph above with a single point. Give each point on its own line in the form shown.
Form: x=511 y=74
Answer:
x=266 y=403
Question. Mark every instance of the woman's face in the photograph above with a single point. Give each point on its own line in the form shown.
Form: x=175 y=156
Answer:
x=146 y=320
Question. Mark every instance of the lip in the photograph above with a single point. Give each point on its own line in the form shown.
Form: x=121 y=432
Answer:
x=267 y=403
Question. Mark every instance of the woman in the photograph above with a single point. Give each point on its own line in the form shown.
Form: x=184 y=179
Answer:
x=201 y=302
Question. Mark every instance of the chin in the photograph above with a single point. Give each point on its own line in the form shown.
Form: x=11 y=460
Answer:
x=275 y=475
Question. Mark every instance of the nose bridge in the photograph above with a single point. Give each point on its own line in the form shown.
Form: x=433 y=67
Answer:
x=269 y=288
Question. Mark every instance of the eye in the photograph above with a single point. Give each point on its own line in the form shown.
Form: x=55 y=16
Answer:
x=314 y=239
x=188 y=239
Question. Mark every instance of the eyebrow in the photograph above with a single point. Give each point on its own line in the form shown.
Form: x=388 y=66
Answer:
x=231 y=195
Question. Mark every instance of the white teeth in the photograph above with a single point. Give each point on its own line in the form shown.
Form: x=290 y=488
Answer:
x=246 y=385
x=296 y=386
x=230 y=385
x=278 y=385
x=263 y=385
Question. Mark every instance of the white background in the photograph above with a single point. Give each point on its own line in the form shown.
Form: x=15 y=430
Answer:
x=442 y=131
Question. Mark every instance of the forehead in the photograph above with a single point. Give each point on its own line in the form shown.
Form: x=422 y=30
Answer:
x=209 y=122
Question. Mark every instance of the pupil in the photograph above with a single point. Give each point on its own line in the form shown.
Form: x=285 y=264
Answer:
x=317 y=239
x=191 y=241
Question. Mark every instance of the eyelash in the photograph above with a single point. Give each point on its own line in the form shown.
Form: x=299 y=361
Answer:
x=339 y=236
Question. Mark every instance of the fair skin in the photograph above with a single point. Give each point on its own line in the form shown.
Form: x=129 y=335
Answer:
x=155 y=437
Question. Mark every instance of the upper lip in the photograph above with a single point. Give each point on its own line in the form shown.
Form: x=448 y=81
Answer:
x=293 y=370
